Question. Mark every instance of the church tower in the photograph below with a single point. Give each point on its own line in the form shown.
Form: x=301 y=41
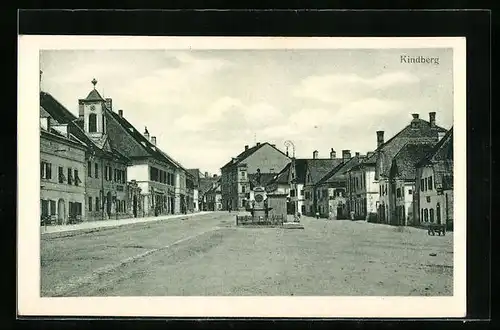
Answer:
x=92 y=111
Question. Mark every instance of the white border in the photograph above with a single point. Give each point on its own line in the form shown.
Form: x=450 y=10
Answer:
x=29 y=300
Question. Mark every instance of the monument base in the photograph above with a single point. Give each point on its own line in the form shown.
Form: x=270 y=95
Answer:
x=292 y=225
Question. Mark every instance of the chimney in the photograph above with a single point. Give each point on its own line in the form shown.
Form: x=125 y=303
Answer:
x=215 y=175
x=315 y=154
x=49 y=124
x=258 y=144
x=432 y=119
x=246 y=147
x=415 y=115
x=357 y=154
x=146 y=133
x=333 y=154
x=206 y=174
x=346 y=155
x=441 y=135
x=380 y=138
x=109 y=103
x=120 y=113
x=153 y=140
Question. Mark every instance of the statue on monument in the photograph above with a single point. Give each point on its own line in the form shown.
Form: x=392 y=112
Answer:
x=258 y=179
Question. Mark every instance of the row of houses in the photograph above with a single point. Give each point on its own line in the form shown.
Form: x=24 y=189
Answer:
x=406 y=180
x=99 y=166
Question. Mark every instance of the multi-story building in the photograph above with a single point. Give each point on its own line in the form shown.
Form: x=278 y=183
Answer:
x=433 y=197
x=195 y=175
x=401 y=183
x=214 y=197
x=162 y=180
x=363 y=189
x=418 y=131
x=256 y=162
x=105 y=168
x=331 y=190
x=206 y=183
x=62 y=168
x=315 y=170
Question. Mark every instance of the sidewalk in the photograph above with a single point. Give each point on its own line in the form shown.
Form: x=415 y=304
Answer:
x=111 y=223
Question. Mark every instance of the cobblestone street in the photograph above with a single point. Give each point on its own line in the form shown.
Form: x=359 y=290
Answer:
x=208 y=255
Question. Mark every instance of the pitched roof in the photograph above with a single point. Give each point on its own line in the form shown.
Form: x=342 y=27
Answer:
x=338 y=174
x=247 y=153
x=300 y=170
x=150 y=148
x=195 y=173
x=418 y=130
x=206 y=184
x=282 y=176
x=53 y=133
x=441 y=159
x=94 y=96
x=433 y=155
x=403 y=163
x=62 y=115
x=318 y=168
x=265 y=178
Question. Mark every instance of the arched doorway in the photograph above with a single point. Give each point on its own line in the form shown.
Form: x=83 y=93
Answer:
x=134 y=206
x=61 y=211
x=108 y=203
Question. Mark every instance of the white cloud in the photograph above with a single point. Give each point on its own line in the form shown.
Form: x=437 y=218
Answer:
x=230 y=113
x=342 y=88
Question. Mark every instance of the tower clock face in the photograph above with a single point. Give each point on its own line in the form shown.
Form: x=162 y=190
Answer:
x=92 y=107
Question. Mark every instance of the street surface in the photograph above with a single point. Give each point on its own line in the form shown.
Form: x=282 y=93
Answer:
x=208 y=255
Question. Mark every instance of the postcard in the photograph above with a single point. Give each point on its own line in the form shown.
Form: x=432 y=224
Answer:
x=241 y=177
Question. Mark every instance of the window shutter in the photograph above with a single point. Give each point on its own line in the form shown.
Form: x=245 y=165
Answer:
x=49 y=171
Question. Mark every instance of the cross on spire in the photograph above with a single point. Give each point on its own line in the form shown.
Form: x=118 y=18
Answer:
x=94 y=82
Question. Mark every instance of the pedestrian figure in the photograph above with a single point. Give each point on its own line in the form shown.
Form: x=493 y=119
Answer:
x=317 y=215
x=352 y=215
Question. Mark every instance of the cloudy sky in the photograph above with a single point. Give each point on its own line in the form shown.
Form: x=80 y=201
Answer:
x=205 y=106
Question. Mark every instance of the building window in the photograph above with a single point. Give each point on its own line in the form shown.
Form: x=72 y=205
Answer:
x=243 y=189
x=61 y=175
x=45 y=207
x=421 y=184
x=89 y=169
x=70 y=179
x=292 y=192
x=90 y=203
x=410 y=192
x=422 y=215
x=426 y=215
x=398 y=192
x=92 y=123
x=52 y=207
x=45 y=170
x=302 y=192
x=243 y=174
x=431 y=213
x=425 y=185
x=77 y=179
x=430 y=183
x=96 y=170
